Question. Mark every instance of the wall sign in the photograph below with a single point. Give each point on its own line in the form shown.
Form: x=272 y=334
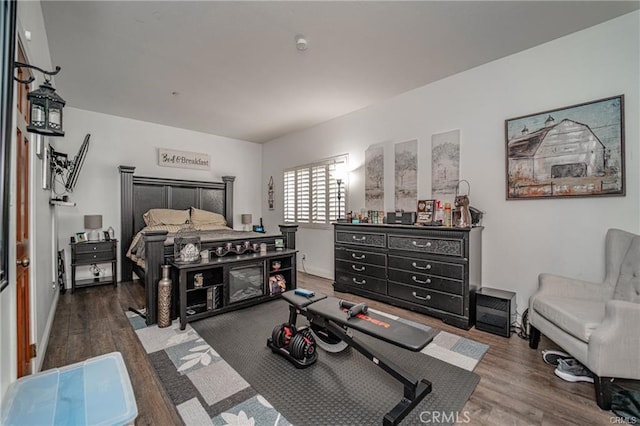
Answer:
x=183 y=159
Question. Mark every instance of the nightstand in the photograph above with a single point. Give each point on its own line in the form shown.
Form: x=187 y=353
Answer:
x=88 y=253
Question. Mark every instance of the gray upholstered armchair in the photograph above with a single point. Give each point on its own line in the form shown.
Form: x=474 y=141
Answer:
x=598 y=324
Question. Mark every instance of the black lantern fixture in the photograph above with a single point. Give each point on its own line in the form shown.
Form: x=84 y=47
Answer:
x=46 y=111
x=45 y=105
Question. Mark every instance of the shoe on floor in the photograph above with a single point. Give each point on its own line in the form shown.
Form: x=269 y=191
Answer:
x=572 y=371
x=551 y=356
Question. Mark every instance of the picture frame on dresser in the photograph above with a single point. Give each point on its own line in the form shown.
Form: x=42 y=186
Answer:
x=425 y=211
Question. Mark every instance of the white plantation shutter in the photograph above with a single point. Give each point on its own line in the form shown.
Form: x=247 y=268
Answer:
x=311 y=193
x=319 y=194
x=302 y=195
x=289 y=196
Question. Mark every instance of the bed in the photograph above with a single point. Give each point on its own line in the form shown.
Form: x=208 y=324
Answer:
x=140 y=194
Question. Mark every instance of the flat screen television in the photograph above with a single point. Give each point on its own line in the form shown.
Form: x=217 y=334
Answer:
x=75 y=165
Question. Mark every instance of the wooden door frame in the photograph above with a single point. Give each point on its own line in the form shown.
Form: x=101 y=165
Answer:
x=24 y=301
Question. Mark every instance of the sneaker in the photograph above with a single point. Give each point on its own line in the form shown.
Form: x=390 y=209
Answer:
x=572 y=371
x=552 y=357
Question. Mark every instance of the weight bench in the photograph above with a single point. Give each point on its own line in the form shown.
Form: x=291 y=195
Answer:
x=331 y=321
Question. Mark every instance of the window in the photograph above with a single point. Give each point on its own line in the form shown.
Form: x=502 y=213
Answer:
x=311 y=192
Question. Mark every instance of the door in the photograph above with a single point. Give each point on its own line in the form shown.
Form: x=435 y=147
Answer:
x=23 y=299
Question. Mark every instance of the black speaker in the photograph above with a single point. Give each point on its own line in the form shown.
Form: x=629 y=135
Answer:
x=495 y=311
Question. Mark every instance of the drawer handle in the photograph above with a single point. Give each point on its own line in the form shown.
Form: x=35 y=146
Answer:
x=427 y=297
x=95 y=255
x=359 y=239
x=416 y=280
x=358 y=269
x=355 y=281
x=358 y=257
x=415 y=265
x=95 y=248
x=415 y=244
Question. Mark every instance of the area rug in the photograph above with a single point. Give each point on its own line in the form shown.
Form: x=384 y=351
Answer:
x=220 y=372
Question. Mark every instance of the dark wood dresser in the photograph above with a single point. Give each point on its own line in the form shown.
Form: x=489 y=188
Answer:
x=433 y=270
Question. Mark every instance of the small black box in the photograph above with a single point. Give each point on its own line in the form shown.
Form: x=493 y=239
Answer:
x=495 y=311
x=404 y=218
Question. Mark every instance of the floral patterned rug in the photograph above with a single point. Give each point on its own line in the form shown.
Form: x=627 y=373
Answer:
x=208 y=391
x=204 y=388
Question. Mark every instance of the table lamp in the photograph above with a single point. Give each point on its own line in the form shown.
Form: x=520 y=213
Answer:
x=247 y=221
x=93 y=222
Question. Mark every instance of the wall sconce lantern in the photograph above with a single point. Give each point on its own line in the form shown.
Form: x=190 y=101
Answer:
x=46 y=111
x=45 y=105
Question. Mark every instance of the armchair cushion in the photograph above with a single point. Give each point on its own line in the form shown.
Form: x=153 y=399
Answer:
x=628 y=286
x=578 y=317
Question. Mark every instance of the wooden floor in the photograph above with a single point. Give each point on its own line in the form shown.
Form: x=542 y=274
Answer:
x=516 y=386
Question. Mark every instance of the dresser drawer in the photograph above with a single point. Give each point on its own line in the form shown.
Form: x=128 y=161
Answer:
x=426 y=266
x=426 y=281
x=361 y=269
x=365 y=283
x=361 y=238
x=355 y=255
x=443 y=246
x=99 y=256
x=93 y=247
x=431 y=299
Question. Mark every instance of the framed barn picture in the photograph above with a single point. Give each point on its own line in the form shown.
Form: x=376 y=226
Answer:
x=575 y=151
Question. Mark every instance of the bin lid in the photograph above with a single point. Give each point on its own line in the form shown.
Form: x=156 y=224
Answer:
x=92 y=392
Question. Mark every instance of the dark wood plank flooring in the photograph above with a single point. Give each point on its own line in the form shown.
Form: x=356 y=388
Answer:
x=516 y=386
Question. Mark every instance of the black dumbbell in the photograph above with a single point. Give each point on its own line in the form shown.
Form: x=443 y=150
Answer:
x=282 y=334
x=302 y=345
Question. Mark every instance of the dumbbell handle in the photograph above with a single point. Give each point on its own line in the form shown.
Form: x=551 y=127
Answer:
x=353 y=308
x=345 y=304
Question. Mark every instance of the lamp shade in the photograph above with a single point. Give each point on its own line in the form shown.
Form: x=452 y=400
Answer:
x=246 y=219
x=93 y=221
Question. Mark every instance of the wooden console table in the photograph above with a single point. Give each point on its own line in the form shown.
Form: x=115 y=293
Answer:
x=222 y=284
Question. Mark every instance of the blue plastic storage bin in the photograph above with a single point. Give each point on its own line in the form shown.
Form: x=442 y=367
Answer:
x=93 y=392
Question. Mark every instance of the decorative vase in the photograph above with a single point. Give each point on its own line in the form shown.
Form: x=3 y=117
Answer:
x=164 y=298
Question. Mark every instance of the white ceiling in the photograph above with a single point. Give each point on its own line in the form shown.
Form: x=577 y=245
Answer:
x=232 y=69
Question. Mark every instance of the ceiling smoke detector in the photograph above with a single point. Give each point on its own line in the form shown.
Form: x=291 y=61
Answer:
x=301 y=43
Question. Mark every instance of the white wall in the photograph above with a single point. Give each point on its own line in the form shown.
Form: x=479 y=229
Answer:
x=43 y=294
x=521 y=238
x=119 y=141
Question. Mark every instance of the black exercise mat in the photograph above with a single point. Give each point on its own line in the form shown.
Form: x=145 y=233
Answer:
x=339 y=389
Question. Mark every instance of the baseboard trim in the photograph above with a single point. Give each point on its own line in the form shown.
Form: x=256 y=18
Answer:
x=42 y=345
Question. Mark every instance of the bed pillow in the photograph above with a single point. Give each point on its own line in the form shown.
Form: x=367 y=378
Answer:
x=201 y=217
x=211 y=227
x=156 y=217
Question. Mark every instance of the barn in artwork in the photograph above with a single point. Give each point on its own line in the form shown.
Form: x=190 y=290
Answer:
x=563 y=150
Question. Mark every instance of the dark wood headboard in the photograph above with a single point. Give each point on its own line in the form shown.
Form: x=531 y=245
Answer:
x=139 y=194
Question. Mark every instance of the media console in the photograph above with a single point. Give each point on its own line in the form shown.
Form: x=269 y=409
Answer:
x=433 y=270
